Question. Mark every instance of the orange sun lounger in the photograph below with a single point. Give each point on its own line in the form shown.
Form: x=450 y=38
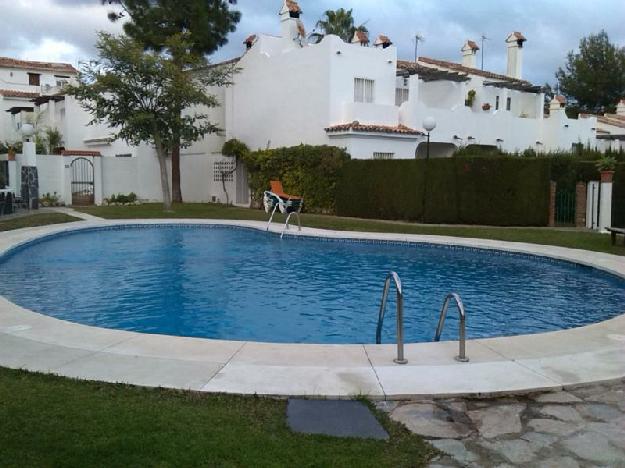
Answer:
x=276 y=187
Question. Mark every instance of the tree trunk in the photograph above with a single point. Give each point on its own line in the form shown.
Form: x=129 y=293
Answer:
x=162 y=162
x=175 y=172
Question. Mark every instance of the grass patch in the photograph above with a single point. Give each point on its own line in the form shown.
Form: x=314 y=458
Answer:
x=546 y=236
x=52 y=421
x=41 y=219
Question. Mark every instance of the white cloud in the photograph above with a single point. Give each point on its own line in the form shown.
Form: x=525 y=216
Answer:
x=66 y=28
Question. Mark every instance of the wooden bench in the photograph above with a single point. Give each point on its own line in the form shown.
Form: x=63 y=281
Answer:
x=614 y=232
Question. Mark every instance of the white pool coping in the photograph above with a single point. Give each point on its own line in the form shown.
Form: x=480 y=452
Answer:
x=519 y=364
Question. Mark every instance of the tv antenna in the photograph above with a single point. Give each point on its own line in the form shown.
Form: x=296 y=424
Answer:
x=484 y=39
x=417 y=38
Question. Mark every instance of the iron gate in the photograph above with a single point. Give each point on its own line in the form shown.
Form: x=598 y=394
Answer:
x=82 y=182
x=565 y=207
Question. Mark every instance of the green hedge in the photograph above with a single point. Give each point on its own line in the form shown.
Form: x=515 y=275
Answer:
x=309 y=171
x=492 y=191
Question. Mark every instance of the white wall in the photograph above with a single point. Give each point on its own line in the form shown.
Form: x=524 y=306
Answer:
x=362 y=146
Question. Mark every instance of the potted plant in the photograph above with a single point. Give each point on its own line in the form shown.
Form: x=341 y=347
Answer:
x=11 y=153
x=470 y=98
x=606 y=166
x=486 y=106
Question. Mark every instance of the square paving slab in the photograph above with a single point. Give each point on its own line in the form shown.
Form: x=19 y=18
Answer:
x=334 y=418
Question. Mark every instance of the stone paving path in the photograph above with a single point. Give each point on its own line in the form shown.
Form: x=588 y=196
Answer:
x=583 y=427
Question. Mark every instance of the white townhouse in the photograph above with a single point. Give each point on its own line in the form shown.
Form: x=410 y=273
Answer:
x=24 y=87
x=366 y=100
x=287 y=92
x=611 y=129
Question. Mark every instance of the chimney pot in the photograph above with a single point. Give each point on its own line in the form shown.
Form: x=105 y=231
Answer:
x=515 y=43
x=469 y=54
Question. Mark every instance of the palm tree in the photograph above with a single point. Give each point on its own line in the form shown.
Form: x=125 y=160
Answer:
x=338 y=22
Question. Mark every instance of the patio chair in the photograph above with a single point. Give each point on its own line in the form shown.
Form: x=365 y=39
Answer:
x=276 y=199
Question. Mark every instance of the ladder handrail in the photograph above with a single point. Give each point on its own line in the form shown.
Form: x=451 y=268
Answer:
x=462 y=329
x=400 y=315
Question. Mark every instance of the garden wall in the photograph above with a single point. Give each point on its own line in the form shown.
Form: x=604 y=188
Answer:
x=490 y=191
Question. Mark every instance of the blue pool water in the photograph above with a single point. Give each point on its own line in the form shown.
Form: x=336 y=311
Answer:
x=239 y=284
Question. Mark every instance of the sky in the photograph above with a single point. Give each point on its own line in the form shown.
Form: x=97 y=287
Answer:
x=65 y=30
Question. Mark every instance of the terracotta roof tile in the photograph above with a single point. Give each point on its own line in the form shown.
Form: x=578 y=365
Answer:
x=362 y=128
x=80 y=153
x=293 y=6
x=8 y=62
x=460 y=68
x=559 y=98
x=517 y=36
x=18 y=94
x=250 y=40
x=382 y=39
x=361 y=37
x=473 y=45
x=613 y=120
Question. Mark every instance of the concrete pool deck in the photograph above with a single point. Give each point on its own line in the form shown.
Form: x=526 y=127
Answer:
x=519 y=364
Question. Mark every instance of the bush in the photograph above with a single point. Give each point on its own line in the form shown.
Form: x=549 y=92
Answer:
x=309 y=171
x=121 y=199
x=493 y=191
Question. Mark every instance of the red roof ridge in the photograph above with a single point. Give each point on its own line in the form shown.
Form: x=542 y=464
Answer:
x=356 y=126
x=9 y=62
x=80 y=153
x=18 y=94
x=461 y=68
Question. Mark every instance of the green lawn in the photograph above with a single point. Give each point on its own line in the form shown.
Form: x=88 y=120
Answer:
x=53 y=421
x=566 y=238
x=41 y=219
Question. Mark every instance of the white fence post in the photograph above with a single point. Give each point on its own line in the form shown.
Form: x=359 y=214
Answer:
x=605 y=210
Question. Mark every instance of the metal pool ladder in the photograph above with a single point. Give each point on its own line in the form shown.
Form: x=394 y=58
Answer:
x=400 y=316
x=462 y=357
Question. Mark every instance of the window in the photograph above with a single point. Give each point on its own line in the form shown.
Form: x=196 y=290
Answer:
x=401 y=96
x=34 y=79
x=497 y=103
x=363 y=90
x=61 y=80
x=124 y=155
x=223 y=167
x=383 y=155
x=509 y=103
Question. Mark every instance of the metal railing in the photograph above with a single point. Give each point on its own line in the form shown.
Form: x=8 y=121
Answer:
x=400 y=316
x=462 y=357
x=288 y=220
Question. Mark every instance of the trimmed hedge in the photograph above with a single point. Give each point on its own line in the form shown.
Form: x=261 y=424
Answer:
x=490 y=191
x=309 y=171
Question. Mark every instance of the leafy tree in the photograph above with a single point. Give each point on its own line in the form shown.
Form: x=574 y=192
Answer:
x=594 y=76
x=138 y=93
x=340 y=23
x=205 y=23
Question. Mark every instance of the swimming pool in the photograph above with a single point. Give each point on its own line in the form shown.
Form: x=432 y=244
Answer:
x=242 y=284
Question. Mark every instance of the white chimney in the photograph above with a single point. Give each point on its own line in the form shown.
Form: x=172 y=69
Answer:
x=620 y=108
x=515 y=54
x=469 y=54
x=293 y=33
x=557 y=104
